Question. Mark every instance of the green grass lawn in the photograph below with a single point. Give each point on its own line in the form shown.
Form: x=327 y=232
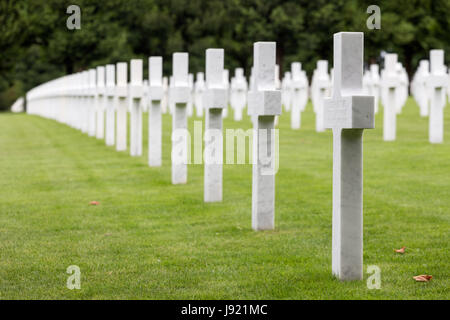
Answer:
x=149 y=239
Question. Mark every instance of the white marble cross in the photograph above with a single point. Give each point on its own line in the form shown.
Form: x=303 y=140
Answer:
x=110 y=105
x=238 y=96
x=264 y=103
x=215 y=99
x=154 y=115
x=198 y=94
x=226 y=83
x=402 y=90
x=179 y=97
x=100 y=127
x=389 y=82
x=121 y=99
x=85 y=99
x=322 y=86
x=91 y=110
x=189 y=106
x=437 y=84
x=136 y=91
x=286 y=85
x=299 y=91
x=348 y=113
x=375 y=84
x=165 y=99
x=421 y=89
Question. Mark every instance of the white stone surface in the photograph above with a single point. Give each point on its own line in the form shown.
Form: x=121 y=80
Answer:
x=91 y=106
x=121 y=91
x=179 y=97
x=402 y=92
x=165 y=99
x=200 y=87
x=419 y=88
x=215 y=101
x=190 y=104
x=238 y=95
x=374 y=89
x=110 y=105
x=226 y=84
x=322 y=86
x=18 y=105
x=348 y=113
x=286 y=86
x=135 y=94
x=155 y=123
x=264 y=103
x=100 y=103
x=299 y=94
x=389 y=82
x=84 y=102
x=437 y=83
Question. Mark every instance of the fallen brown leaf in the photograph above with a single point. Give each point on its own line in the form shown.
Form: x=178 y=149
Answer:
x=423 y=278
x=94 y=203
x=401 y=250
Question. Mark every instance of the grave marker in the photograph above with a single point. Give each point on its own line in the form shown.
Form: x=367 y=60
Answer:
x=122 y=105
x=91 y=107
x=437 y=84
x=100 y=127
x=215 y=101
x=322 y=86
x=238 y=97
x=348 y=113
x=390 y=84
x=226 y=83
x=264 y=103
x=179 y=97
x=136 y=92
x=299 y=92
x=199 y=92
x=286 y=86
x=85 y=97
x=154 y=115
x=110 y=104
x=375 y=84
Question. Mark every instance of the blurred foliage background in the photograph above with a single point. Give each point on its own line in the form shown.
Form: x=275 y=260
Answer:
x=36 y=46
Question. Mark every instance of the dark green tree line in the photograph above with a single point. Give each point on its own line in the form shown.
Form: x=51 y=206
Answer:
x=36 y=46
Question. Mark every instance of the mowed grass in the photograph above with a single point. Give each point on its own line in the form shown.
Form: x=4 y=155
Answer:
x=149 y=239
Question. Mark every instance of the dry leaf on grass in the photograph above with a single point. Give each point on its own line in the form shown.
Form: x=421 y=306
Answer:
x=401 y=250
x=423 y=278
x=94 y=203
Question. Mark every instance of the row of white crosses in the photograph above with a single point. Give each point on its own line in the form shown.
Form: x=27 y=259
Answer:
x=419 y=88
x=298 y=90
x=295 y=92
x=371 y=83
x=72 y=99
x=320 y=89
x=394 y=93
x=427 y=81
x=389 y=87
x=238 y=93
x=437 y=83
x=18 y=105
